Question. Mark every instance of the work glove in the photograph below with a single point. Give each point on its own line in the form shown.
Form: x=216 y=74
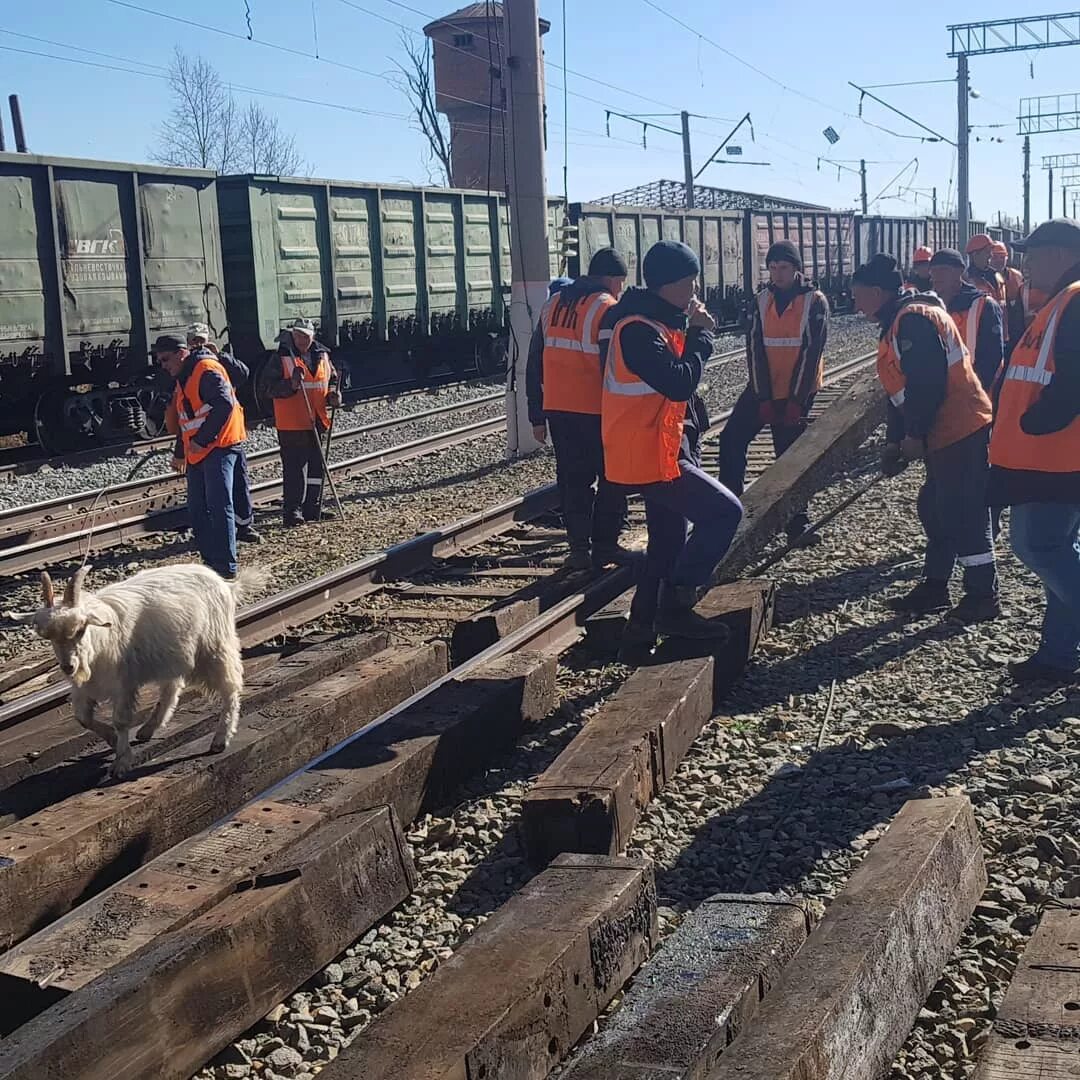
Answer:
x=767 y=412
x=333 y=399
x=793 y=414
x=893 y=463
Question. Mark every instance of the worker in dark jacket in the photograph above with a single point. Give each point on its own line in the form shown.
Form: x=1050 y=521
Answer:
x=977 y=315
x=918 y=279
x=785 y=349
x=1035 y=449
x=198 y=339
x=1015 y=323
x=563 y=381
x=939 y=412
x=208 y=444
x=302 y=382
x=653 y=421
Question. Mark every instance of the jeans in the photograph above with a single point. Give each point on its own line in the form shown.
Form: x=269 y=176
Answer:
x=694 y=498
x=588 y=516
x=302 y=472
x=243 y=509
x=743 y=427
x=210 y=504
x=953 y=511
x=1046 y=539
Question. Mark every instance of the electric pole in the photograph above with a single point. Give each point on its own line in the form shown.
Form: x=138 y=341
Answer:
x=1050 y=210
x=962 y=146
x=1064 y=212
x=934 y=193
x=1027 y=184
x=688 y=161
x=527 y=202
x=862 y=181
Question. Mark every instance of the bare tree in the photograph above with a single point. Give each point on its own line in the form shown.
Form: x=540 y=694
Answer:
x=265 y=148
x=206 y=129
x=416 y=80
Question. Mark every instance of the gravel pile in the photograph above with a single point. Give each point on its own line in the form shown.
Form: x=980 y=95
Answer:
x=782 y=793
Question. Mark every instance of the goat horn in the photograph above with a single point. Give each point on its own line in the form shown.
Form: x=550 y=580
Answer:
x=48 y=594
x=74 y=586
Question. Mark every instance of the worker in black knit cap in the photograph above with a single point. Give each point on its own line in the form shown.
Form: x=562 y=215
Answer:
x=563 y=378
x=940 y=413
x=785 y=350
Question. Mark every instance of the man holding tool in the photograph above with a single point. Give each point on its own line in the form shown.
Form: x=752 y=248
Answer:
x=303 y=385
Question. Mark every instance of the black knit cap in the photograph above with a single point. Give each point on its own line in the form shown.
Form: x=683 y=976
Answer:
x=607 y=262
x=948 y=257
x=784 y=251
x=881 y=271
x=669 y=261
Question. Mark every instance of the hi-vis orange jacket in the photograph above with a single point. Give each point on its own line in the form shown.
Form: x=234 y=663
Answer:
x=291 y=413
x=572 y=375
x=191 y=411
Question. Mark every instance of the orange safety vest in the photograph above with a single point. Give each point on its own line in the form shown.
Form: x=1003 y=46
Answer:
x=996 y=290
x=785 y=339
x=641 y=429
x=192 y=411
x=967 y=323
x=572 y=376
x=1030 y=368
x=966 y=408
x=1033 y=300
x=291 y=413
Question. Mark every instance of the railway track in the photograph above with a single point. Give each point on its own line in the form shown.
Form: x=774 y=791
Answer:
x=456 y=631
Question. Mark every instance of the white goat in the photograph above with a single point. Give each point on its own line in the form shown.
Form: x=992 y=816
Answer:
x=171 y=625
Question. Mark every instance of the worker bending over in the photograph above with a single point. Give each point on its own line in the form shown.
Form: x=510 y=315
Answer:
x=303 y=385
x=1035 y=449
x=979 y=271
x=1014 y=301
x=785 y=350
x=207 y=447
x=919 y=278
x=977 y=315
x=563 y=383
x=938 y=411
x=653 y=421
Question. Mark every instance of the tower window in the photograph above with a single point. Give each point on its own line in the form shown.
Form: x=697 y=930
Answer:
x=463 y=41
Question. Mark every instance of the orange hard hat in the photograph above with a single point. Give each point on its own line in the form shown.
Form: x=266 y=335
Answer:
x=922 y=254
x=998 y=248
x=977 y=243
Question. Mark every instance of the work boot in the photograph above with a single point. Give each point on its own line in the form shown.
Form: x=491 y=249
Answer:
x=578 y=559
x=320 y=515
x=1034 y=670
x=677 y=617
x=638 y=641
x=246 y=534
x=926 y=597
x=975 y=609
x=613 y=555
x=293 y=518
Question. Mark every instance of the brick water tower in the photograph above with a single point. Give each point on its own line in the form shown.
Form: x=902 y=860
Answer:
x=468 y=47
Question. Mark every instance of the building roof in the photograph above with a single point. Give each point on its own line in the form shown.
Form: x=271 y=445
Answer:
x=476 y=13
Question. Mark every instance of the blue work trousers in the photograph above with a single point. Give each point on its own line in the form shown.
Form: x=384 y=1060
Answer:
x=1046 y=539
x=210 y=505
x=693 y=498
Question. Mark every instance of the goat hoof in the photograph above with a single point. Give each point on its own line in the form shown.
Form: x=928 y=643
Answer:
x=219 y=746
x=144 y=734
x=120 y=771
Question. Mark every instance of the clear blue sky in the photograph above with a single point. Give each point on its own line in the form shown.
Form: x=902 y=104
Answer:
x=81 y=111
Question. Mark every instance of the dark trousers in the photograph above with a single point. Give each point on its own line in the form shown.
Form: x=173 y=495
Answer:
x=694 y=498
x=210 y=504
x=588 y=516
x=302 y=472
x=243 y=509
x=953 y=511
x=743 y=427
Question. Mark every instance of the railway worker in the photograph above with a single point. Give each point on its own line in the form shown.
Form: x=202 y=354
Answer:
x=1014 y=284
x=207 y=447
x=1035 y=449
x=919 y=278
x=938 y=411
x=977 y=315
x=785 y=349
x=563 y=385
x=979 y=271
x=198 y=339
x=653 y=421
x=302 y=382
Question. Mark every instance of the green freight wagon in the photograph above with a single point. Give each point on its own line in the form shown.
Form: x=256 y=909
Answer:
x=402 y=282
x=96 y=260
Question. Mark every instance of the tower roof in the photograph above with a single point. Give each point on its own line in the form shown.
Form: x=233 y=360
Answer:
x=476 y=13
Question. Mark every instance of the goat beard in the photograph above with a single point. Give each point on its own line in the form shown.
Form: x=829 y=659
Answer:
x=80 y=676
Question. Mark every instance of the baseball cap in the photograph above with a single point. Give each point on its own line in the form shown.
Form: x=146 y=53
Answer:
x=303 y=326
x=199 y=330
x=169 y=343
x=1058 y=232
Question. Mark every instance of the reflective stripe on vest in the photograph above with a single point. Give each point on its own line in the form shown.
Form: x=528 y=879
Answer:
x=192 y=412
x=641 y=429
x=1031 y=367
x=291 y=413
x=572 y=378
x=966 y=408
x=783 y=349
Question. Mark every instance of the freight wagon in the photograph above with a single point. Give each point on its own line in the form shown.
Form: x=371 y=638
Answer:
x=96 y=260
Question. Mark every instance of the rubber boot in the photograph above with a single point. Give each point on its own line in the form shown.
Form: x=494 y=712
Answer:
x=976 y=609
x=614 y=555
x=927 y=597
x=638 y=641
x=677 y=617
x=577 y=532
